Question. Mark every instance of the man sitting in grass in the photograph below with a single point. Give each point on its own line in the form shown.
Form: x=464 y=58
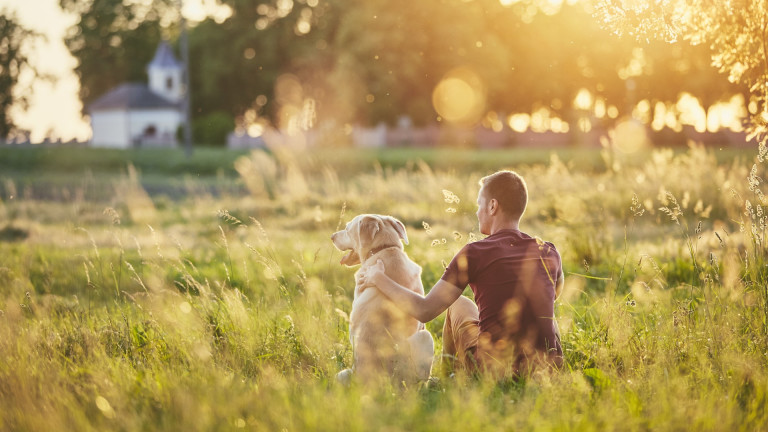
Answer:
x=515 y=278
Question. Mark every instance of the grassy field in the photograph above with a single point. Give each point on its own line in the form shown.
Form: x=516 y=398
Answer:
x=149 y=291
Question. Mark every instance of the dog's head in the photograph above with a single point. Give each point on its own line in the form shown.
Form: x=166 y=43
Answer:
x=365 y=233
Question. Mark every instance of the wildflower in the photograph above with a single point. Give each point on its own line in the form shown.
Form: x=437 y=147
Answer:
x=427 y=228
x=753 y=179
x=749 y=212
x=636 y=208
x=109 y=211
x=450 y=197
x=224 y=214
x=674 y=211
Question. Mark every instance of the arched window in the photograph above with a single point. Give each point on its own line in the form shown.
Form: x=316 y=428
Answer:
x=150 y=131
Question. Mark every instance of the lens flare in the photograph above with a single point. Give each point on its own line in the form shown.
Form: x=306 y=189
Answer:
x=630 y=136
x=460 y=97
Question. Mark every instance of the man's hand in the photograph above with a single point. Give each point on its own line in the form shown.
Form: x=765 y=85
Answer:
x=367 y=279
x=424 y=309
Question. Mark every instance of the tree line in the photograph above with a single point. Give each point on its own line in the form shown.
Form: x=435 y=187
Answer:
x=374 y=61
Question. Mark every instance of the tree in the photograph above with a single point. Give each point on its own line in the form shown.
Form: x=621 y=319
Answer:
x=376 y=60
x=113 y=41
x=736 y=32
x=235 y=64
x=13 y=60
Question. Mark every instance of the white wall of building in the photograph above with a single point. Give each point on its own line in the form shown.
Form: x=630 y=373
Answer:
x=164 y=121
x=166 y=82
x=127 y=129
x=110 y=129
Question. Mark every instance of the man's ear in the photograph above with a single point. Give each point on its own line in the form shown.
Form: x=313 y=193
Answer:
x=398 y=226
x=369 y=226
x=494 y=204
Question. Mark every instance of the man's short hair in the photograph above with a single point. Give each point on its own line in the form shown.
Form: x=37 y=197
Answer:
x=509 y=189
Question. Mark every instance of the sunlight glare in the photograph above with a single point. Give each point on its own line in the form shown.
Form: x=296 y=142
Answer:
x=637 y=64
x=583 y=100
x=540 y=120
x=691 y=112
x=493 y=122
x=585 y=125
x=600 y=109
x=659 y=114
x=727 y=115
x=459 y=97
x=284 y=7
x=551 y=7
x=642 y=111
x=199 y=10
x=559 y=126
x=629 y=136
x=519 y=122
x=303 y=25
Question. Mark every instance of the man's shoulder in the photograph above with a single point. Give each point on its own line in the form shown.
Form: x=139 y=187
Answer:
x=547 y=247
x=509 y=238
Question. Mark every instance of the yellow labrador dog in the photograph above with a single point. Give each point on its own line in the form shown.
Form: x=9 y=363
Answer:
x=385 y=340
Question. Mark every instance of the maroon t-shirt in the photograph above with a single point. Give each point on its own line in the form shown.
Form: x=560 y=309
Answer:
x=513 y=277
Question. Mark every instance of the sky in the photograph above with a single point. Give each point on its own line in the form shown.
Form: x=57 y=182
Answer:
x=55 y=108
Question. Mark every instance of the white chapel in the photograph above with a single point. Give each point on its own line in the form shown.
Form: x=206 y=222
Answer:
x=136 y=115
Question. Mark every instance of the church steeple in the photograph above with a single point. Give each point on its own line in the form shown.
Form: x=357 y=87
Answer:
x=165 y=73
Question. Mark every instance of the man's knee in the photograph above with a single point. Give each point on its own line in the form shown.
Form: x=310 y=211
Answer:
x=463 y=309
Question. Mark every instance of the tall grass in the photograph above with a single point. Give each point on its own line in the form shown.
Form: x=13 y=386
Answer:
x=229 y=310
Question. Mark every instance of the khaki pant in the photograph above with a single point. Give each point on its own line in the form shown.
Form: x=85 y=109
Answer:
x=460 y=333
x=461 y=338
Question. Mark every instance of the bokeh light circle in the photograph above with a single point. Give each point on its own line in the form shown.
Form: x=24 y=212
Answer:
x=459 y=97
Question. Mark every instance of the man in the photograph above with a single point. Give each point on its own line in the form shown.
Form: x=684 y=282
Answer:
x=515 y=278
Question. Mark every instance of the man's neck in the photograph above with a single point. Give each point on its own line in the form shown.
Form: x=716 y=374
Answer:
x=503 y=224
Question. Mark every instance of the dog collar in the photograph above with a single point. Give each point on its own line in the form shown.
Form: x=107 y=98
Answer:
x=376 y=250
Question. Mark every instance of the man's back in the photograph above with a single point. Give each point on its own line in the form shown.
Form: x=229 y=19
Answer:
x=513 y=277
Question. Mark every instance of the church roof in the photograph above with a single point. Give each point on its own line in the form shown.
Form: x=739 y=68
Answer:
x=131 y=96
x=164 y=57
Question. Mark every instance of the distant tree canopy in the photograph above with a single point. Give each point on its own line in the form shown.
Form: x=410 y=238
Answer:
x=113 y=41
x=13 y=60
x=735 y=31
x=373 y=61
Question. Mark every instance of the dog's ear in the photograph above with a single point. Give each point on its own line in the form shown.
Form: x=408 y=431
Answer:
x=398 y=226
x=369 y=226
